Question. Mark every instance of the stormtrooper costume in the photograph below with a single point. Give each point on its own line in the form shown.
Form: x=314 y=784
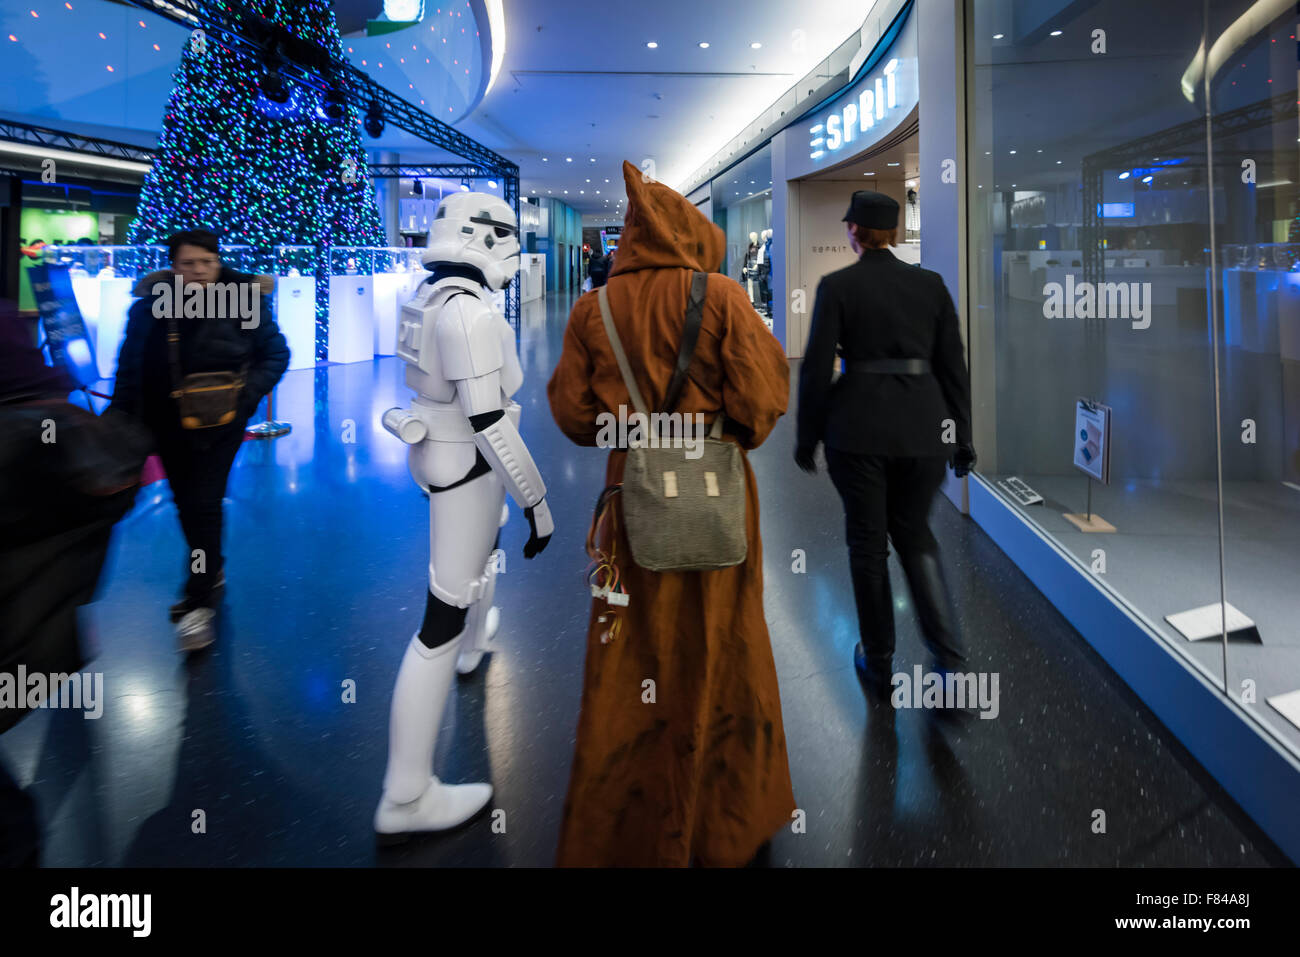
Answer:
x=465 y=449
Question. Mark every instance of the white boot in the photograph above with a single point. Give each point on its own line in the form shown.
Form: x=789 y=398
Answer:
x=480 y=626
x=414 y=800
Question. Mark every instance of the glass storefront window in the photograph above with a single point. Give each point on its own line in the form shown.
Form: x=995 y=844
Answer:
x=742 y=206
x=1134 y=241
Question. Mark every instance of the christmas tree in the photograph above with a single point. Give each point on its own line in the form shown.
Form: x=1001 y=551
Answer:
x=258 y=172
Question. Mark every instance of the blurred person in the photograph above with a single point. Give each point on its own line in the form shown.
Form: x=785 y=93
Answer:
x=66 y=477
x=890 y=425
x=597 y=272
x=701 y=775
x=153 y=366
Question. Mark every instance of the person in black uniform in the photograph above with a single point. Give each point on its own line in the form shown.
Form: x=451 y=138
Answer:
x=890 y=423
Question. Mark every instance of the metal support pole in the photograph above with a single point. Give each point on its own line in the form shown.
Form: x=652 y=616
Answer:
x=270 y=429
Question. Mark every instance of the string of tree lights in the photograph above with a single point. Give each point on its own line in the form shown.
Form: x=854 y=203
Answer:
x=257 y=160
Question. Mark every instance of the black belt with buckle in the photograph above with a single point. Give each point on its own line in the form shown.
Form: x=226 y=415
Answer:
x=889 y=366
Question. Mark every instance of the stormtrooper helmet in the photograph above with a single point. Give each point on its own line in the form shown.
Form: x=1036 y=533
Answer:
x=479 y=230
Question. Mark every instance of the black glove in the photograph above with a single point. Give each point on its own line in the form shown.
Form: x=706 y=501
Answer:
x=805 y=458
x=963 y=460
x=540 y=528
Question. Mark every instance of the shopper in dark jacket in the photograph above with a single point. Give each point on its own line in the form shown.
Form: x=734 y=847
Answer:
x=66 y=476
x=890 y=424
x=197 y=461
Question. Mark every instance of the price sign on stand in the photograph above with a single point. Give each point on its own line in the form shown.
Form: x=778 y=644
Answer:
x=1092 y=457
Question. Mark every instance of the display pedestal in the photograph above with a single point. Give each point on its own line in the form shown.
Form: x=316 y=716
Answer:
x=352 y=318
x=85 y=289
x=1089 y=523
x=295 y=314
x=110 y=327
x=392 y=289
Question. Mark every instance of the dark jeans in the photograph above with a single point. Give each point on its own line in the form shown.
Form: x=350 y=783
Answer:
x=197 y=466
x=887 y=499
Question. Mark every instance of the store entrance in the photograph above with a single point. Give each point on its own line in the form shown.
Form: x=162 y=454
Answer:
x=819 y=242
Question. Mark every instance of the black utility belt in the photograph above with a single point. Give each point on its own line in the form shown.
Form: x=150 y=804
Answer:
x=888 y=366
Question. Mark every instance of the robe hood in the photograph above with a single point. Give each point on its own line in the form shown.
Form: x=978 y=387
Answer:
x=662 y=230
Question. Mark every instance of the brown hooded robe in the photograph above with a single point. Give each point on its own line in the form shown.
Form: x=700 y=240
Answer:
x=700 y=774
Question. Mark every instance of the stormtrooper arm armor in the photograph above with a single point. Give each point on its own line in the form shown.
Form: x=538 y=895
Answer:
x=472 y=355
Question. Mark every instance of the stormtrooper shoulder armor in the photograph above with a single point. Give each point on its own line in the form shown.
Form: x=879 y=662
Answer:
x=468 y=338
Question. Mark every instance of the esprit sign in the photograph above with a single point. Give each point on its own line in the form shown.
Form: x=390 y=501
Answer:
x=858 y=114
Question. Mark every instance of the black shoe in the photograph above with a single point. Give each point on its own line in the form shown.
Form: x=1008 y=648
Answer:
x=873 y=675
x=188 y=604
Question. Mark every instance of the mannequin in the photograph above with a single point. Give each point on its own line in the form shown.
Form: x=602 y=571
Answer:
x=751 y=257
x=465 y=449
x=765 y=272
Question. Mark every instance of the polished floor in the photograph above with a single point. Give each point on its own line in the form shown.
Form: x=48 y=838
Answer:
x=326 y=553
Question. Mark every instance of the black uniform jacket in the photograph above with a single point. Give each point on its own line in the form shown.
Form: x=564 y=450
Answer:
x=882 y=308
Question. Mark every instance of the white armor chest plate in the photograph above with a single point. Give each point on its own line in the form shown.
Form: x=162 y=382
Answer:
x=417 y=339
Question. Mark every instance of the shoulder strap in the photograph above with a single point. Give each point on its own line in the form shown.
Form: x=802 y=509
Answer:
x=690 y=336
x=638 y=403
x=174 y=352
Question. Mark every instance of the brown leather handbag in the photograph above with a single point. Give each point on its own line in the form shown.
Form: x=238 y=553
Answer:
x=205 y=400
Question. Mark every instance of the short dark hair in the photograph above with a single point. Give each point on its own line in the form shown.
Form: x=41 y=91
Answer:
x=192 y=237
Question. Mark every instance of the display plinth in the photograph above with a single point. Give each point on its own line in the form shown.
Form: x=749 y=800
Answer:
x=1089 y=523
x=295 y=314
x=392 y=289
x=110 y=327
x=352 y=318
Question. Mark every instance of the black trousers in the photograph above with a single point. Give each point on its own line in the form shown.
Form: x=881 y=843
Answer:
x=887 y=499
x=198 y=466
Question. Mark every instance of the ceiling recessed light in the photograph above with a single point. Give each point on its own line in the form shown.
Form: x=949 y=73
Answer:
x=545 y=160
x=652 y=45
x=568 y=159
x=1058 y=162
x=1013 y=152
x=756 y=46
x=1057 y=33
x=704 y=44
x=998 y=36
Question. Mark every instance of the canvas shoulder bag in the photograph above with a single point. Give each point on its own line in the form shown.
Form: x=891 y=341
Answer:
x=204 y=400
x=681 y=513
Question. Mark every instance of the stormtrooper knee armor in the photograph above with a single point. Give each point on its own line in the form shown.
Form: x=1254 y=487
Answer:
x=465 y=449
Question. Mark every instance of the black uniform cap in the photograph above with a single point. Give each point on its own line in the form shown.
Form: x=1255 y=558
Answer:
x=872 y=210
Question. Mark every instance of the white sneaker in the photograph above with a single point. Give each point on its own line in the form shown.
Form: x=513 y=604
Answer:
x=469 y=658
x=195 y=630
x=440 y=808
